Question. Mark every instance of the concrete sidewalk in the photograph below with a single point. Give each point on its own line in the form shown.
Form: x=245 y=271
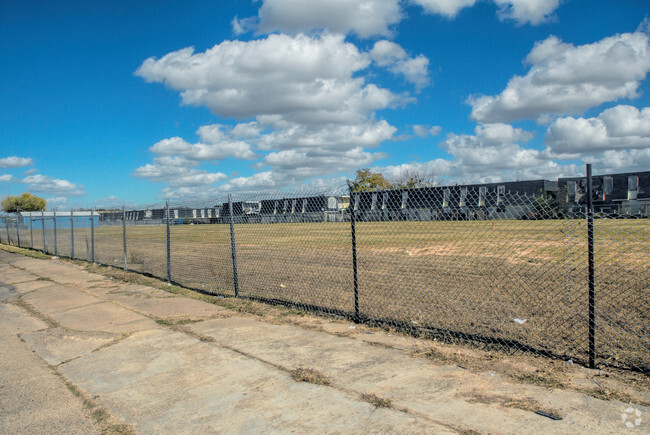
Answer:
x=223 y=372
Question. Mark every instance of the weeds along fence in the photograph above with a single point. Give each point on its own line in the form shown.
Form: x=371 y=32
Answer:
x=495 y=268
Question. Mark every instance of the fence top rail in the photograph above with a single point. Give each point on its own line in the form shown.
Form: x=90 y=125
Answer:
x=80 y=213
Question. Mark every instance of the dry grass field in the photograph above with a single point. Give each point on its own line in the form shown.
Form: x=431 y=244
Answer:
x=519 y=283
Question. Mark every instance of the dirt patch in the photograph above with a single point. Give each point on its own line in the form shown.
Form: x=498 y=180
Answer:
x=517 y=253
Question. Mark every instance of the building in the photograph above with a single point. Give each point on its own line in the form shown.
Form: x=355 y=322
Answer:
x=319 y=208
x=461 y=202
x=625 y=194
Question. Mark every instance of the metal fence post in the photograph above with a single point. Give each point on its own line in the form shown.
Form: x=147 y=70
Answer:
x=17 y=226
x=17 y=230
x=353 y=229
x=169 y=251
x=232 y=245
x=31 y=231
x=92 y=235
x=124 y=235
x=43 y=225
x=56 y=248
x=592 y=282
x=71 y=234
x=7 y=227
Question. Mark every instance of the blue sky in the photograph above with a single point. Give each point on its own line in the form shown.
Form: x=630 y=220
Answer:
x=111 y=102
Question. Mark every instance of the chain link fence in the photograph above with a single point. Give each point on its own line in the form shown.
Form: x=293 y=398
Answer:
x=492 y=267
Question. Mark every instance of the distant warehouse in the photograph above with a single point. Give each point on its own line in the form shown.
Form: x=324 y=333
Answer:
x=319 y=208
x=625 y=194
x=471 y=201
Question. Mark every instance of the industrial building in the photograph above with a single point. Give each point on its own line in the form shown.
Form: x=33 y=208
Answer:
x=626 y=194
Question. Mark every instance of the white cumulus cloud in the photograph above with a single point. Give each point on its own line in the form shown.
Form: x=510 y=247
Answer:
x=371 y=18
x=618 y=140
x=495 y=152
x=15 y=162
x=176 y=160
x=426 y=130
x=365 y=18
x=45 y=184
x=494 y=147
x=177 y=172
x=301 y=79
x=221 y=149
x=527 y=11
x=257 y=182
x=448 y=8
x=243 y=25
x=613 y=161
x=620 y=127
x=521 y=11
x=330 y=136
x=293 y=165
x=392 y=56
x=56 y=201
x=304 y=109
x=566 y=79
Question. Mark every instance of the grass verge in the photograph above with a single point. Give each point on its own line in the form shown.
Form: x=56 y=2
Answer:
x=26 y=252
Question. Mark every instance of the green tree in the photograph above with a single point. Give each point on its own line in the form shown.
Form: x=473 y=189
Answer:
x=367 y=181
x=24 y=202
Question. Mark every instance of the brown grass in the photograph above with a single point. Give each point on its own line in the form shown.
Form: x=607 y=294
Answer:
x=525 y=404
x=304 y=374
x=447 y=280
x=376 y=401
x=610 y=384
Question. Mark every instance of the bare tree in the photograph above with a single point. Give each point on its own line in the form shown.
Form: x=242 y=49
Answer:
x=410 y=178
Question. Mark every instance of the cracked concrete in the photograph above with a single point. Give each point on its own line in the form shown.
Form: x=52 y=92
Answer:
x=109 y=340
x=58 y=345
x=33 y=399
